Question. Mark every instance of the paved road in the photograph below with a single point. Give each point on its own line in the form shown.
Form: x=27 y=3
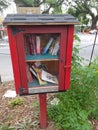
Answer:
x=5 y=64
x=5 y=59
x=86 y=46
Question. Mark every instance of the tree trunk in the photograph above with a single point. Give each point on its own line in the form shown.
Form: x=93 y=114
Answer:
x=94 y=22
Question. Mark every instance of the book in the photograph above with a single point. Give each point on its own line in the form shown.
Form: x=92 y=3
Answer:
x=29 y=76
x=51 y=47
x=38 y=45
x=46 y=48
x=37 y=64
x=29 y=42
x=27 y=45
x=33 y=72
x=56 y=47
x=49 y=77
x=33 y=46
x=37 y=73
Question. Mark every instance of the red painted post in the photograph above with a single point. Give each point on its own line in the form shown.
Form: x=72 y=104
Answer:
x=43 y=109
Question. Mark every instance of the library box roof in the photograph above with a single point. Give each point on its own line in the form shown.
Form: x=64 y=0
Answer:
x=39 y=19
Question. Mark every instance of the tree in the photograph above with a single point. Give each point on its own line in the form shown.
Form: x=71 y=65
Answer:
x=85 y=10
x=3 y=4
x=53 y=6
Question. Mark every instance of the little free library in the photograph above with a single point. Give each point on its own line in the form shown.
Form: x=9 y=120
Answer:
x=41 y=51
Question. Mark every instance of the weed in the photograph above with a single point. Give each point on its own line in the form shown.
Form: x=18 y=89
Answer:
x=5 y=127
x=35 y=104
x=16 y=101
x=27 y=124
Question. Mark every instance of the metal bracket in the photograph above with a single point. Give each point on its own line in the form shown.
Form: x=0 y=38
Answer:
x=62 y=60
x=15 y=30
x=23 y=91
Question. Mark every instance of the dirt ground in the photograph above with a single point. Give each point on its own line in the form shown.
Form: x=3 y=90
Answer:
x=28 y=110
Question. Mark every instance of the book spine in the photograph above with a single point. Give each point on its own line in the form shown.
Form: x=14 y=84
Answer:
x=33 y=44
x=27 y=45
x=51 y=48
x=56 y=47
x=47 y=46
x=29 y=76
x=38 y=45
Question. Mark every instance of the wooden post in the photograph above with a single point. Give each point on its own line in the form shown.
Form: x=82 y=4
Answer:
x=43 y=109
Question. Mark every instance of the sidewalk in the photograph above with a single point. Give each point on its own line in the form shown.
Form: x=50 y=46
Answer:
x=6 y=72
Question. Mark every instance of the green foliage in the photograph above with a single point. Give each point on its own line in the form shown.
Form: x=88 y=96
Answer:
x=3 y=4
x=35 y=104
x=5 y=127
x=82 y=17
x=28 y=3
x=78 y=8
x=27 y=124
x=94 y=114
x=77 y=105
x=76 y=60
x=47 y=5
x=83 y=8
x=16 y=101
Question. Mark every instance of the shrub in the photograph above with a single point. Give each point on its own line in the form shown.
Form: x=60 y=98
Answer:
x=27 y=124
x=5 y=127
x=16 y=101
x=76 y=106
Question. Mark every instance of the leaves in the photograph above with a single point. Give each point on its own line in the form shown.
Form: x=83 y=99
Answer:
x=83 y=8
x=3 y=4
x=80 y=102
x=48 y=6
x=16 y=101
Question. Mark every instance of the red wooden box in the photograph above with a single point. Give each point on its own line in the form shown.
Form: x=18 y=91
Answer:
x=41 y=51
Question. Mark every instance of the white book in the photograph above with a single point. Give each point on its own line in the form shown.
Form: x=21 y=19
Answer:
x=38 y=44
x=56 y=47
x=49 y=77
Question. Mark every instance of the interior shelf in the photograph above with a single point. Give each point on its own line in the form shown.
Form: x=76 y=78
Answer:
x=46 y=57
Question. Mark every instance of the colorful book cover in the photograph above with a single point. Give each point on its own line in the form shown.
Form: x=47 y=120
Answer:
x=37 y=73
x=49 y=77
x=46 y=48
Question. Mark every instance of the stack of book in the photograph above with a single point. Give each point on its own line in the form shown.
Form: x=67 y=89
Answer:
x=42 y=76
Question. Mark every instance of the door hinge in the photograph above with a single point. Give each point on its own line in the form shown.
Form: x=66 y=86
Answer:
x=62 y=60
